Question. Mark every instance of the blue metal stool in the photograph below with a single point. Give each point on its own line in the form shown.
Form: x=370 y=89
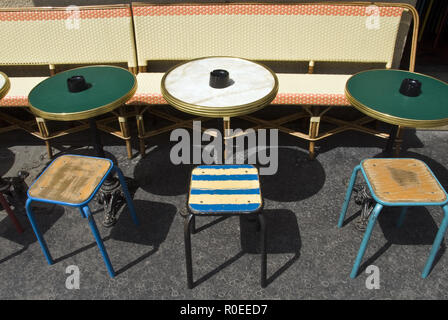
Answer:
x=73 y=180
x=220 y=190
x=398 y=182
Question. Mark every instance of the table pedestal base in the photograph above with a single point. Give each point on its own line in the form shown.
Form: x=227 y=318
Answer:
x=112 y=198
x=363 y=198
x=14 y=187
x=110 y=195
x=362 y=195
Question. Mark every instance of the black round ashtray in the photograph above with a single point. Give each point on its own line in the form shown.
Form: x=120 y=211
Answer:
x=77 y=84
x=411 y=87
x=219 y=79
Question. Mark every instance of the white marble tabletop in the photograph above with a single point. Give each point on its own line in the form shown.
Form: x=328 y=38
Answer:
x=250 y=82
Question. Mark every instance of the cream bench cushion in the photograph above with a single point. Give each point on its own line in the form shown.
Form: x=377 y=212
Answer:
x=301 y=89
x=18 y=93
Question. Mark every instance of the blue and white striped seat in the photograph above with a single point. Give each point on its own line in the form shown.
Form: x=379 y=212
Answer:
x=224 y=189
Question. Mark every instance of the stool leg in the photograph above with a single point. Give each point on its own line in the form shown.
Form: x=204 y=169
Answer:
x=193 y=224
x=436 y=244
x=263 y=249
x=188 y=260
x=402 y=216
x=365 y=240
x=39 y=236
x=348 y=195
x=10 y=213
x=127 y=195
x=98 y=240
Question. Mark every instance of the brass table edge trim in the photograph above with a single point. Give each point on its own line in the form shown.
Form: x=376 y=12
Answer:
x=229 y=111
x=89 y=113
x=405 y=122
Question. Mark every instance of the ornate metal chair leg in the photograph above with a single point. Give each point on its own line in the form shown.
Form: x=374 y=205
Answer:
x=127 y=195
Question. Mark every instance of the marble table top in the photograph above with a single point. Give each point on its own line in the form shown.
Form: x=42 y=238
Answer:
x=187 y=88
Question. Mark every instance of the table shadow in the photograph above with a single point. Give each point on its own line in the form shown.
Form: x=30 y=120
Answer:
x=155 y=221
x=7 y=158
x=297 y=178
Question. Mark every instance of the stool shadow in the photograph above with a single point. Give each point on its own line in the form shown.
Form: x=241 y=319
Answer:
x=45 y=219
x=155 y=222
x=282 y=237
x=419 y=228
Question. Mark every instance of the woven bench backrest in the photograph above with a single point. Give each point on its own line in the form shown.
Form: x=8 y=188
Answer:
x=270 y=32
x=72 y=35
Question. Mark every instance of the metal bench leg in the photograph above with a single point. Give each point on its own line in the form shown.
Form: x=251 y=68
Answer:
x=44 y=133
x=10 y=213
x=124 y=128
x=98 y=240
x=188 y=260
x=39 y=236
x=348 y=195
x=141 y=133
x=313 y=133
x=365 y=240
x=263 y=250
x=402 y=216
x=127 y=195
x=436 y=244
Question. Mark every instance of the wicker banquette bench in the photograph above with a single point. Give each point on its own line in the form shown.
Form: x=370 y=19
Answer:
x=311 y=33
x=64 y=36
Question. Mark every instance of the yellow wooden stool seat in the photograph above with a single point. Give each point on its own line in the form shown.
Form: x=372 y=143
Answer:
x=398 y=183
x=70 y=179
x=402 y=180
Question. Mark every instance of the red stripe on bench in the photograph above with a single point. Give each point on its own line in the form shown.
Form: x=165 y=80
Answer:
x=282 y=98
x=70 y=13
x=259 y=9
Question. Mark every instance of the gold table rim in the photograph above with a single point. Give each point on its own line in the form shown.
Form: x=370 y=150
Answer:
x=221 y=112
x=405 y=122
x=81 y=115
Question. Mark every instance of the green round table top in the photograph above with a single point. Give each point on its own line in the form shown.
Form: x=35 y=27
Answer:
x=4 y=84
x=376 y=93
x=109 y=88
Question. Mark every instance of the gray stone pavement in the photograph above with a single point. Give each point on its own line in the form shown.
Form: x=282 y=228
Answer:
x=308 y=256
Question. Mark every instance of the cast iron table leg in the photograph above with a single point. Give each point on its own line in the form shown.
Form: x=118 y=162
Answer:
x=362 y=196
x=110 y=195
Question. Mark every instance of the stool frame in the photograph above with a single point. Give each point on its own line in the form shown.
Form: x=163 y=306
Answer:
x=85 y=213
x=377 y=210
x=190 y=228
